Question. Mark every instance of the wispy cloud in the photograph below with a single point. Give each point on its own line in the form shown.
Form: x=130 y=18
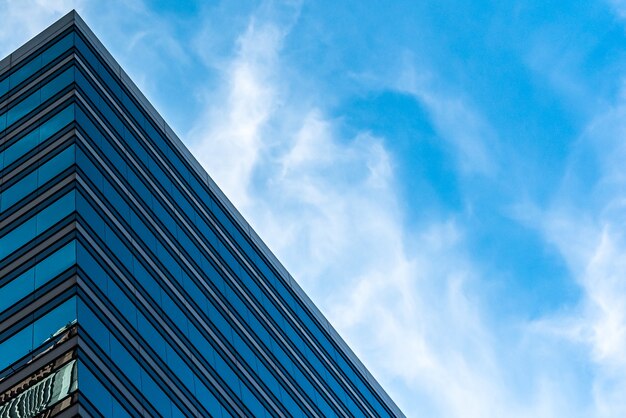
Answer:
x=22 y=19
x=327 y=204
x=587 y=227
x=470 y=137
x=231 y=134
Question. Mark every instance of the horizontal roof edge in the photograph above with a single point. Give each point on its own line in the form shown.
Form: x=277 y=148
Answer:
x=73 y=18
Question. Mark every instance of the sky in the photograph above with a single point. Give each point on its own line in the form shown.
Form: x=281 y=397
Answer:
x=444 y=178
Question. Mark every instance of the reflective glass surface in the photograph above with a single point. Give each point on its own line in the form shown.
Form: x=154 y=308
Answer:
x=33 y=335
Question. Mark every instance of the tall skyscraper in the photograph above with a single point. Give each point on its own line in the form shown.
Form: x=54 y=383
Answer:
x=129 y=285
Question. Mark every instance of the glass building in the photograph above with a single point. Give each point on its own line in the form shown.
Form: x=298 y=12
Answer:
x=129 y=284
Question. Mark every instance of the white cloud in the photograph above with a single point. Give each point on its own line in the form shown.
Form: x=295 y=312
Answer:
x=23 y=19
x=406 y=301
x=230 y=137
x=469 y=135
x=586 y=224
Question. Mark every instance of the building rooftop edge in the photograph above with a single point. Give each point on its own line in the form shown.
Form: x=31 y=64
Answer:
x=73 y=18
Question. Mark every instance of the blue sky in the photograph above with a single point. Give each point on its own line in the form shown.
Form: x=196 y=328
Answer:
x=445 y=178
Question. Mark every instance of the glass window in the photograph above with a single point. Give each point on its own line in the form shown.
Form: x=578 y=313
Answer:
x=125 y=361
x=18 y=237
x=207 y=399
x=253 y=404
x=57 y=164
x=56 y=211
x=180 y=368
x=37 y=276
x=57 y=48
x=23 y=107
x=174 y=312
x=227 y=374
x=28 y=184
x=92 y=268
x=33 y=335
x=89 y=322
x=155 y=395
x=4 y=87
x=91 y=217
x=16 y=289
x=21 y=147
x=56 y=123
x=53 y=321
x=94 y=391
x=25 y=71
x=119 y=411
x=19 y=190
x=118 y=248
x=119 y=299
x=57 y=84
x=151 y=335
x=44 y=93
x=92 y=173
x=147 y=281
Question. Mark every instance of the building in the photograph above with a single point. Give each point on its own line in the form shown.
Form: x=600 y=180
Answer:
x=129 y=284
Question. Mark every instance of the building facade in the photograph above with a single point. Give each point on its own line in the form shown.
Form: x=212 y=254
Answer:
x=129 y=285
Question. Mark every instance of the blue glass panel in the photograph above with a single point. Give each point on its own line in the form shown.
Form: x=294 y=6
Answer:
x=56 y=123
x=122 y=302
x=28 y=184
x=226 y=373
x=21 y=147
x=55 y=264
x=155 y=395
x=38 y=62
x=146 y=281
x=23 y=107
x=25 y=71
x=53 y=321
x=48 y=90
x=57 y=84
x=93 y=269
x=133 y=144
x=95 y=391
x=16 y=289
x=86 y=165
x=253 y=404
x=18 y=237
x=56 y=211
x=151 y=335
x=180 y=368
x=16 y=347
x=140 y=228
x=116 y=200
x=22 y=342
x=118 y=248
x=207 y=399
x=86 y=86
x=57 y=164
x=90 y=215
x=174 y=313
x=200 y=343
x=4 y=87
x=119 y=411
x=19 y=190
x=176 y=413
x=89 y=322
x=58 y=48
x=85 y=123
x=125 y=362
